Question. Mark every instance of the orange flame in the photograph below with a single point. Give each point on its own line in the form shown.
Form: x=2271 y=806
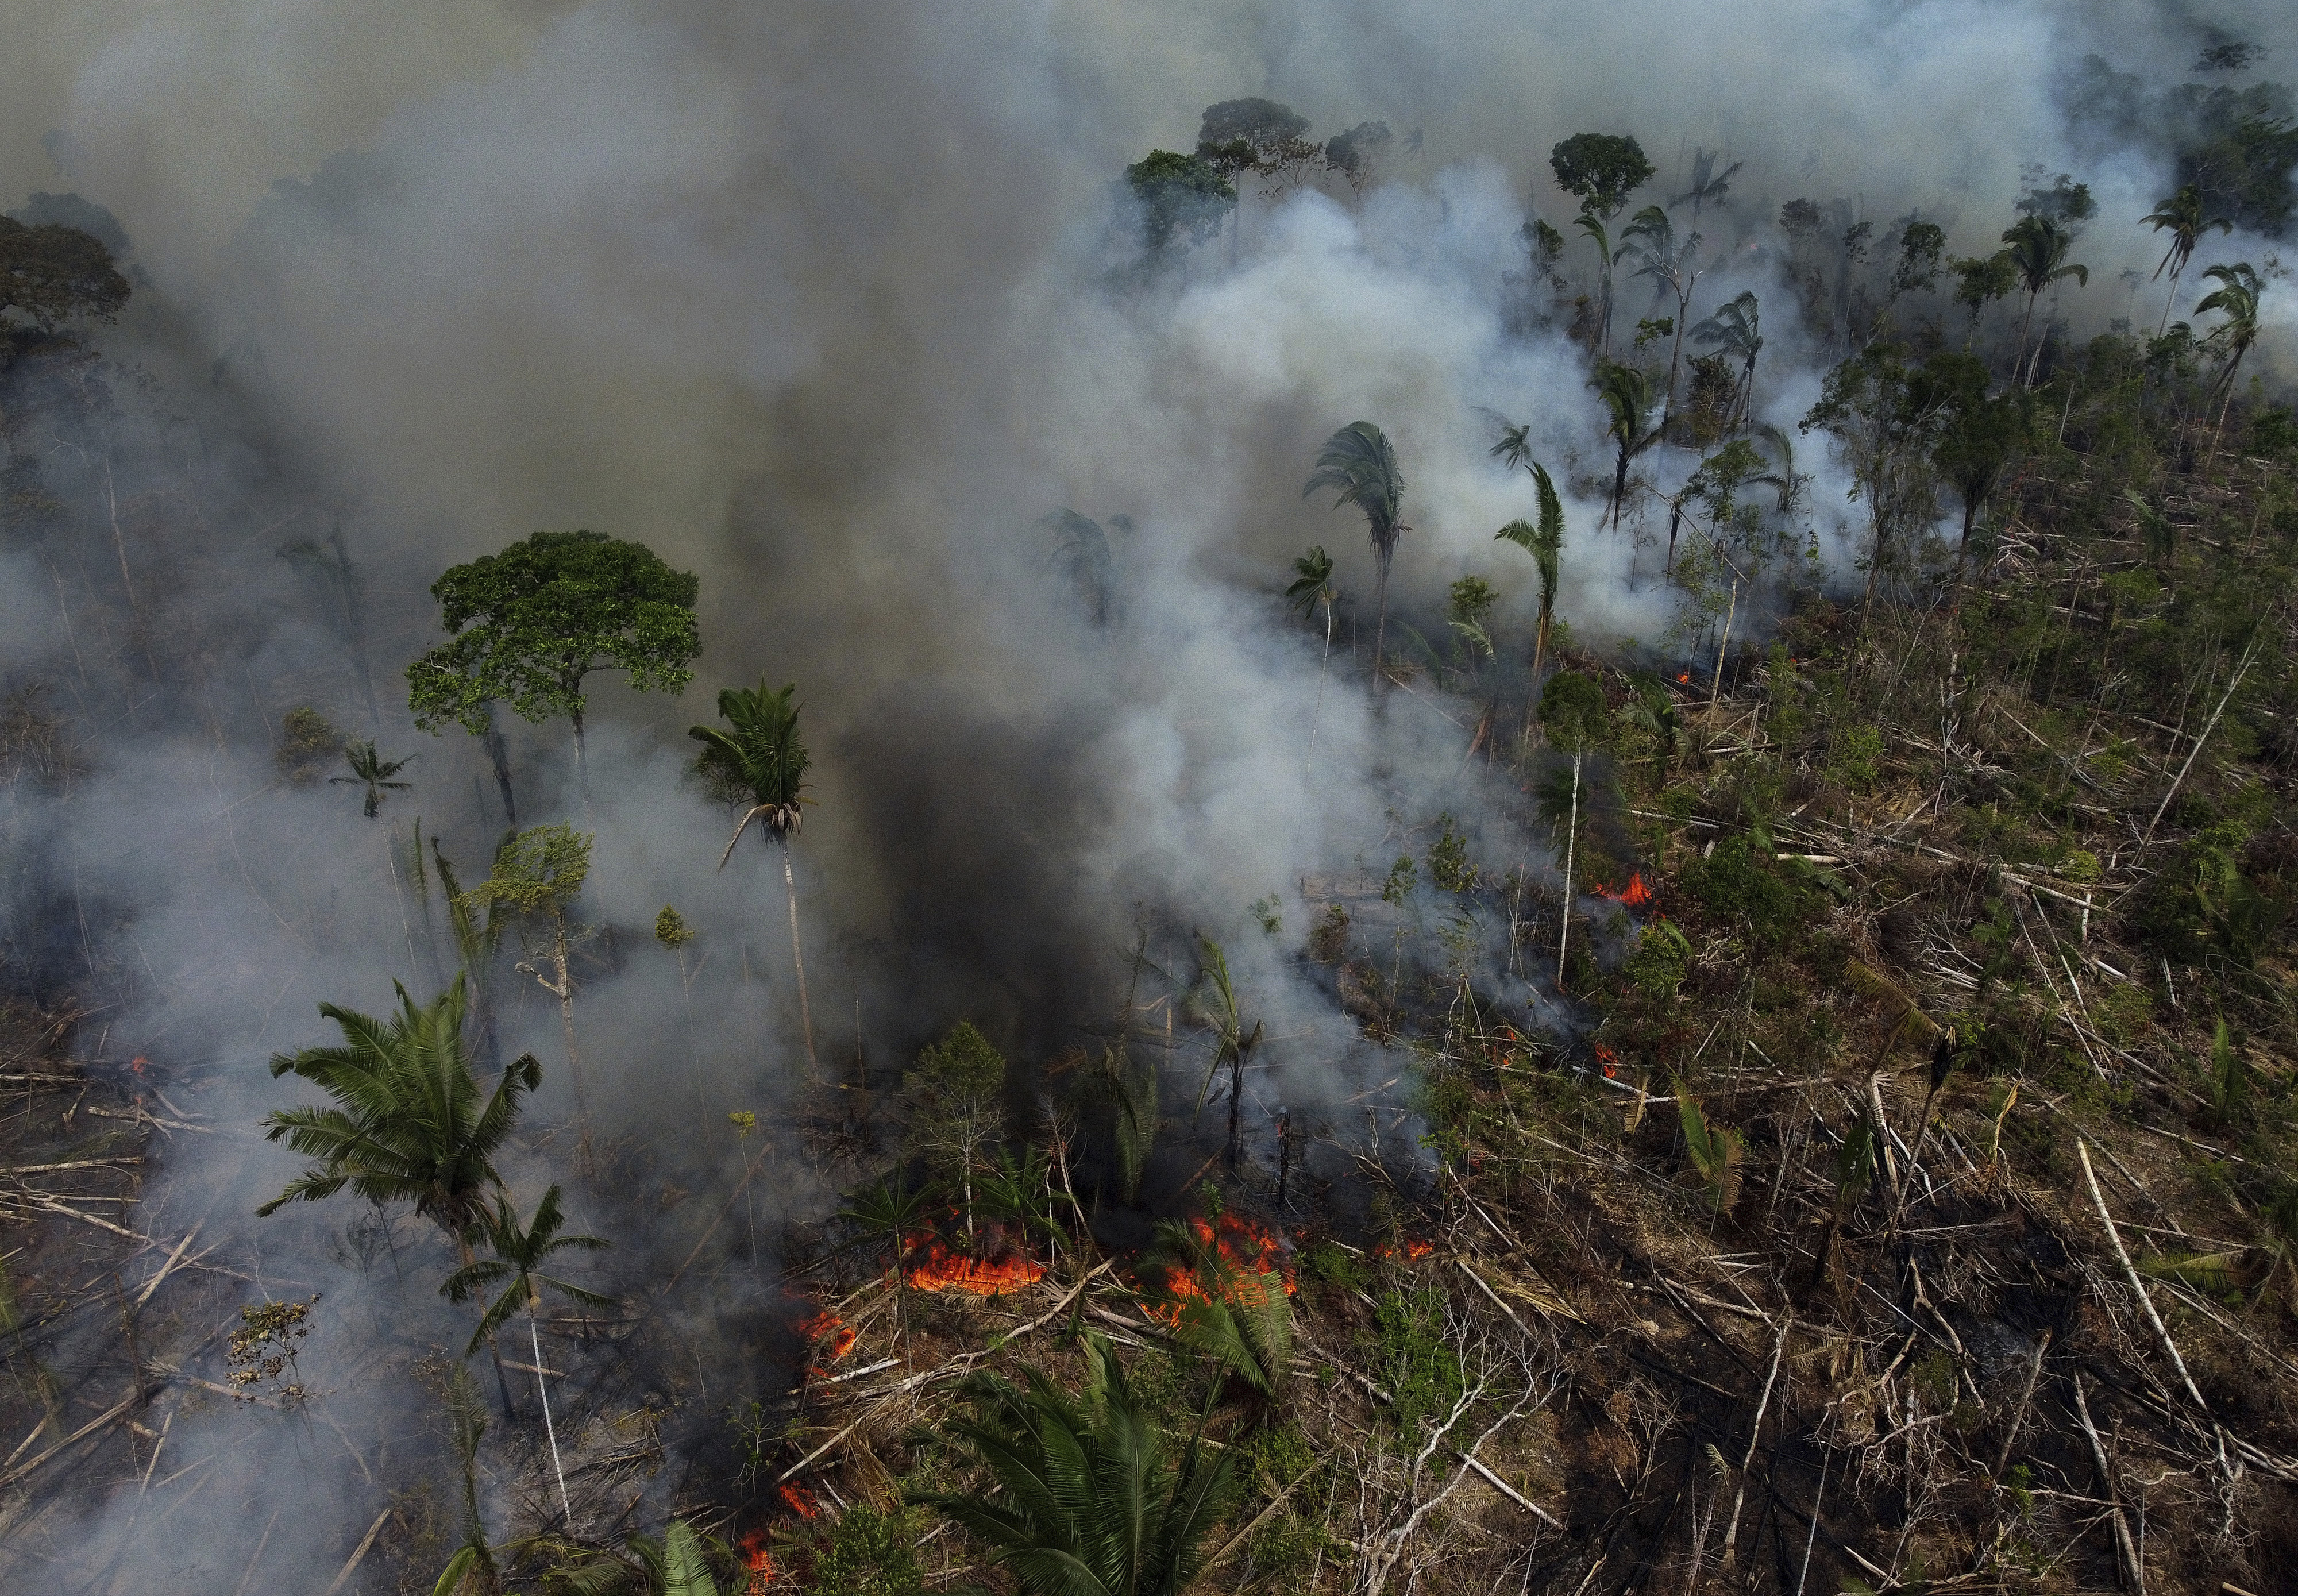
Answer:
x=1608 y=1059
x=756 y=1558
x=942 y=1270
x=1683 y=675
x=1410 y=1250
x=800 y=1501
x=1635 y=895
x=1243 y=1257
x=835 y=1335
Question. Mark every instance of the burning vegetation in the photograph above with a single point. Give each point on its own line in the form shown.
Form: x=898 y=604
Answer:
x=1911 y=1206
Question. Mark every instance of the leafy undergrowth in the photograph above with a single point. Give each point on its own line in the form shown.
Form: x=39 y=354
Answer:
x=1910 y=1206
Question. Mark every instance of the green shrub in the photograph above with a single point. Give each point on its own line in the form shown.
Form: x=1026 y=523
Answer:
x=1661 y=958
x=1855 y=757
x=868 y=1552
x=1740 y=881
x=1416 y=1366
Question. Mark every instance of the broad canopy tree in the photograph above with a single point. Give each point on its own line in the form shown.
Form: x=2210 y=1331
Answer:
x=528 y=625
x=51 y=274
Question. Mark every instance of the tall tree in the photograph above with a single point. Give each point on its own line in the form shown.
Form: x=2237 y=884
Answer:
x=1625 y=394
x=1601 y=169
x=1591 y=228
x=2185 y=219
x=1709 y=186
x=528 y=625
x=761 y=760
x=371 y=771
x=1358 y=462
x=1978 y=435
x=1312 y=585
x=1571 y=714
x=538 y=875
x=1251 y=134
x=2235 y=298
x=956 y=1097
x=51 y=274
x=1544 y=541
x=2038 y=246
x=672 y=930
x=1736 y=329
x=520 y=1252
x=1086 y=1497
x=1179 y=194
x=1650 y=237
x=1887 y=424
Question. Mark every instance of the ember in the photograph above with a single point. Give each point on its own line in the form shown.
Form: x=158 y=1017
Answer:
x=942 y=1270
x=1411 y=1250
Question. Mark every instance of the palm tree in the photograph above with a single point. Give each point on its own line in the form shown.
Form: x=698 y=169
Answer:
x=373 y=772
x=519 y=1254
x=1545 y=544
x=2037 y=250
x=1709 y=186
x=887 y=1214
x=1313 y=585
x=1669 y=266
x=1736 y=328
x=671 y=929
x=2235 y=298
x=1593 y=224
x=763 y=759
x=2181 y=215
x=1357 y=462
x=409 y=1124
x=1088 y=1499
x=1572 y=710
x=1625 y=393
x=1232 y=1043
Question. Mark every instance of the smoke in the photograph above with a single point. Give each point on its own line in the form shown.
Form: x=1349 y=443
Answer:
x=831 y=305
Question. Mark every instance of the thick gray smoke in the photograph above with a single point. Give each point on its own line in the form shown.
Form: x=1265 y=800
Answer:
x=821 y=303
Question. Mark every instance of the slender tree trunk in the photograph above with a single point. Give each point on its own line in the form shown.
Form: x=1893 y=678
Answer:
x=548 y=1428
x=1571 y=838
x=1380 y=634
x=494 y=1354
x=499 y=755
x=1316 y=714
x=798 y=957
x=1531 y=696
x=2170 y=299
x=565 y=992
x=1715 y=688
x=694 y=1051
x=1236 y=1102
x=1619 y=484
x=2026 y=325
